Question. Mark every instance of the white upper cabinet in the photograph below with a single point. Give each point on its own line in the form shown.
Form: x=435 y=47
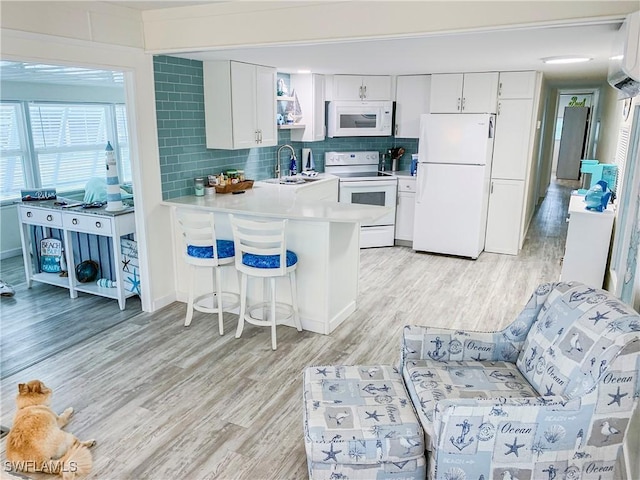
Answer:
x=517 y=85
x=464 y=92
x=310 y=90
x=511 y=144
x=240 y=105
x=412 y=100
x=446 y=93
x=359 y=87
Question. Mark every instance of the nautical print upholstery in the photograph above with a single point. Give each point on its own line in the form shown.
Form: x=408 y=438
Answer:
x=577 y=352
x=225 y=250
x=360 y=424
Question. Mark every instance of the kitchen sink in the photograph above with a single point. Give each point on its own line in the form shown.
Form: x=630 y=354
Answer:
x=286 y=180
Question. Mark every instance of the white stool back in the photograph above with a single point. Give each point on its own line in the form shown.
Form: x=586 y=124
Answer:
x=201 y=248
x=261 y=251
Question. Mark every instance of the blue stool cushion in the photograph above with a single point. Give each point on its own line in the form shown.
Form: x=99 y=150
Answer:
x=268 y=261
x=225 y=250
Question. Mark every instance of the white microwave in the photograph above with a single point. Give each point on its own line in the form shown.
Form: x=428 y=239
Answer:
x=359 y=119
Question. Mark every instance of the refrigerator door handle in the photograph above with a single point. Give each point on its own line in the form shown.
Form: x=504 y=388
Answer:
x=418 y=193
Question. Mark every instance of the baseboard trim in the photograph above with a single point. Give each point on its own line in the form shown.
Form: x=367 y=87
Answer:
x=13 y=252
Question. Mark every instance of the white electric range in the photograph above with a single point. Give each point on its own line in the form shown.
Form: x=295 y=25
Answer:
x=361 y=182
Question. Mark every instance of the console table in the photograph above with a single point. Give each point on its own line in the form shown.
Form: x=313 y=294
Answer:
x=112 y=225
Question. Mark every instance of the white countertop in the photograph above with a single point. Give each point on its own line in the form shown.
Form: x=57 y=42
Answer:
x=276 y=201
x=404 y=174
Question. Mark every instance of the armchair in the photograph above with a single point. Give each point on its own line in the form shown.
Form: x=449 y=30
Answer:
x=548 y=397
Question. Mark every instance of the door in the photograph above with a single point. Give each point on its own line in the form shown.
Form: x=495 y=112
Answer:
x=480 y=92
x=572 y=142
x=446 y=93
x=412 y=100
x=376 y=87
x=449 y=206
x=381 y=193
x=347 y=87
x=504 y=217
x=516 y=85
x=243 y=102
x=511 y=147
x=456 y=139
x=318 y=108
x=266 y=105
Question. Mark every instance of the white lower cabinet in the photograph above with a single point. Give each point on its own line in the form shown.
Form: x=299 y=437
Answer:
x=405 y=210
x=587 y=245
x=504 y=217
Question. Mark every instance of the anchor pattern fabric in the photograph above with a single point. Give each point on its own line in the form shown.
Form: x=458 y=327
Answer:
x=360 y=424
x=557 y=407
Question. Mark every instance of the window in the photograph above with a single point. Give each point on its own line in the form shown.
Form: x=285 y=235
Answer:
x=59 y=145
x=12 y=150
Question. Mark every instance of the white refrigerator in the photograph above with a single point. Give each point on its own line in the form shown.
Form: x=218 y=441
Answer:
x=453 y=181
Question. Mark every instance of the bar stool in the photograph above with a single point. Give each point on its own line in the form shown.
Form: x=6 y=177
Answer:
x=261 y=251
x=199 y=236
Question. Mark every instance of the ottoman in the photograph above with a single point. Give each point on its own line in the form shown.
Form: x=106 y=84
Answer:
x=360 y=424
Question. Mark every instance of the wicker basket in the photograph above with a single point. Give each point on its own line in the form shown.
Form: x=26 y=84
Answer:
x=235 y=187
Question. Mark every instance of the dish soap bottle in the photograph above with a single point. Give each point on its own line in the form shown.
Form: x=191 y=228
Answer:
x=293 y=167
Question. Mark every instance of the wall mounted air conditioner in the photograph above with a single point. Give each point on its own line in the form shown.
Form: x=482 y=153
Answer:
x=624 y=66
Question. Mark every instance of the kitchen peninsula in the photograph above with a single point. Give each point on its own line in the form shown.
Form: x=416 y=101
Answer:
x=324 y=234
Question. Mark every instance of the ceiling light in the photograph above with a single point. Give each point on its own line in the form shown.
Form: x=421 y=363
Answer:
x=561 y=60
x=304 y=71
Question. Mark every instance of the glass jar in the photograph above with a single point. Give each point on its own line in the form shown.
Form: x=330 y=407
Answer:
x=199 y=187
x=241 y=175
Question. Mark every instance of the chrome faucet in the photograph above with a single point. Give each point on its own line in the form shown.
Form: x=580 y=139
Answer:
x=293 y=154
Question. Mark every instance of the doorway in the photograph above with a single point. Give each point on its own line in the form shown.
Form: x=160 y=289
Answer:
x=573 y=133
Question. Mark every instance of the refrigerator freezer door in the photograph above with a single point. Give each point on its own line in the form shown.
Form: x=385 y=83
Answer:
x=465 y=139
x=450 y=215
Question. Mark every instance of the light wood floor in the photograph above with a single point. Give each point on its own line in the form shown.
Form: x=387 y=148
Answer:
x=168 y=402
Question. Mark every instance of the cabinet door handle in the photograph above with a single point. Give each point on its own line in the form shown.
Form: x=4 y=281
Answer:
x=365 y=92
x=49 y=218
x=396 y=129
x=499 y=106
x=491 y=187
x=463 y=101
x=29 y=214
x=459 y=99
x=74 y=221
x=360 y=92
x=98 y=224
x=500 y=89
x=259 y=135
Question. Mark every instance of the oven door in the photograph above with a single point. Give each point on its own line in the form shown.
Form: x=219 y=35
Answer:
x=372 y=192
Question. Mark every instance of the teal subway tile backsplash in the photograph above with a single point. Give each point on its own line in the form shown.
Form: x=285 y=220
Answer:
x=182 y=143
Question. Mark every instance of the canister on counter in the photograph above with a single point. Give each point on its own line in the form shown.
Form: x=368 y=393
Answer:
x=241 y=175
x=199 y=186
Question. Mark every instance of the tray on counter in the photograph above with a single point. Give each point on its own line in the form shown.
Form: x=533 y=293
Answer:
x=235 y=187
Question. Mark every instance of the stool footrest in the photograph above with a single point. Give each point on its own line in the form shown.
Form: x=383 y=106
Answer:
x=208 y=303
x=284 y=311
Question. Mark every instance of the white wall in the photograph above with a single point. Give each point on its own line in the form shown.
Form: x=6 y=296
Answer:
x=226 y=24
x=93 y=35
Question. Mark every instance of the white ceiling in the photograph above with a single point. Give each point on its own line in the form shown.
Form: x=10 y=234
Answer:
x=505 y=49
x=496 y=50
x=515 y=49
